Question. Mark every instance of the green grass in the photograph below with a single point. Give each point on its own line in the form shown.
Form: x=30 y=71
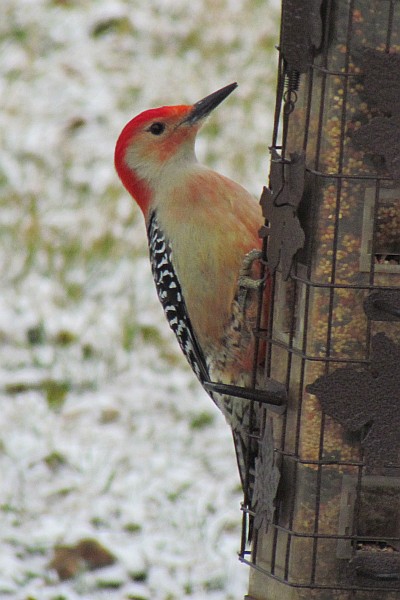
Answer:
x=201 y=420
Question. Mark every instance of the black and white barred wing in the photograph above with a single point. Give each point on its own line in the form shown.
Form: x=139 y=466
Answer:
x=170 y=295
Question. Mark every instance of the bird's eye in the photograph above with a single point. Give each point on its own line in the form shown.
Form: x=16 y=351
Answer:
x=156 y=128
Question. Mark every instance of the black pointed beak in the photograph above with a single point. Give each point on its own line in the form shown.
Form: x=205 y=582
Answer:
x=203 y=107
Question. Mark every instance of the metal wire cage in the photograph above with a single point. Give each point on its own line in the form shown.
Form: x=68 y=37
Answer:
x=334 y=324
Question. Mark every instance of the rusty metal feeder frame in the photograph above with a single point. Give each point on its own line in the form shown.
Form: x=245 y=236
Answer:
x=329 y=526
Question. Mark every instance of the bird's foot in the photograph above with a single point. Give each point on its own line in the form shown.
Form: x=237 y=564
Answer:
x=246 y=281
x=245 y=278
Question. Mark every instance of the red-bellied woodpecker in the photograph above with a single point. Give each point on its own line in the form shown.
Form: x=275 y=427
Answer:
x=202 y=232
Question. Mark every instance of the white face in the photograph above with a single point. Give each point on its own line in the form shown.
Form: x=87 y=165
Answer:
x=160 y=144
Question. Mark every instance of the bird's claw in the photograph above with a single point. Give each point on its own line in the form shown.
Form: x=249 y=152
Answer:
x=246 y=281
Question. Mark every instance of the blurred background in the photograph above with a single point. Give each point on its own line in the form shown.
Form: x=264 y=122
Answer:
x=105 y=433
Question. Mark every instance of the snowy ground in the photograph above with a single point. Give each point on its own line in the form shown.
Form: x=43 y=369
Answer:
x=104 y=432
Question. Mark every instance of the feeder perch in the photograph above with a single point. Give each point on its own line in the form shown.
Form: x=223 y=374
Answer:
x=326 y=507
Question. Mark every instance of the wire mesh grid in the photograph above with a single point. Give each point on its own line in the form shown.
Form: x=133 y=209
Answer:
x=336 y=526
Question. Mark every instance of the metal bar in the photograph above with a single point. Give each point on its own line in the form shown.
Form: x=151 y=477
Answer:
x=337 y=175
x=275 y=399
x=330 y=461
x=311 y=358
x=339 y=587
x=333 y=536
x=390 y=26
x=345 y=286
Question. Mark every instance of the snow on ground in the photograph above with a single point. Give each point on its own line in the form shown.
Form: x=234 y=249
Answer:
x=104 y=432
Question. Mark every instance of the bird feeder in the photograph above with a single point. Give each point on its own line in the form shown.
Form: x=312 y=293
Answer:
x=326 y=510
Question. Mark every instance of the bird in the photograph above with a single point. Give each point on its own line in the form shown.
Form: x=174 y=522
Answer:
x=204 y=249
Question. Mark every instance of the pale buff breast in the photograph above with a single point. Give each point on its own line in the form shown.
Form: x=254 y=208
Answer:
x=211 y=223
